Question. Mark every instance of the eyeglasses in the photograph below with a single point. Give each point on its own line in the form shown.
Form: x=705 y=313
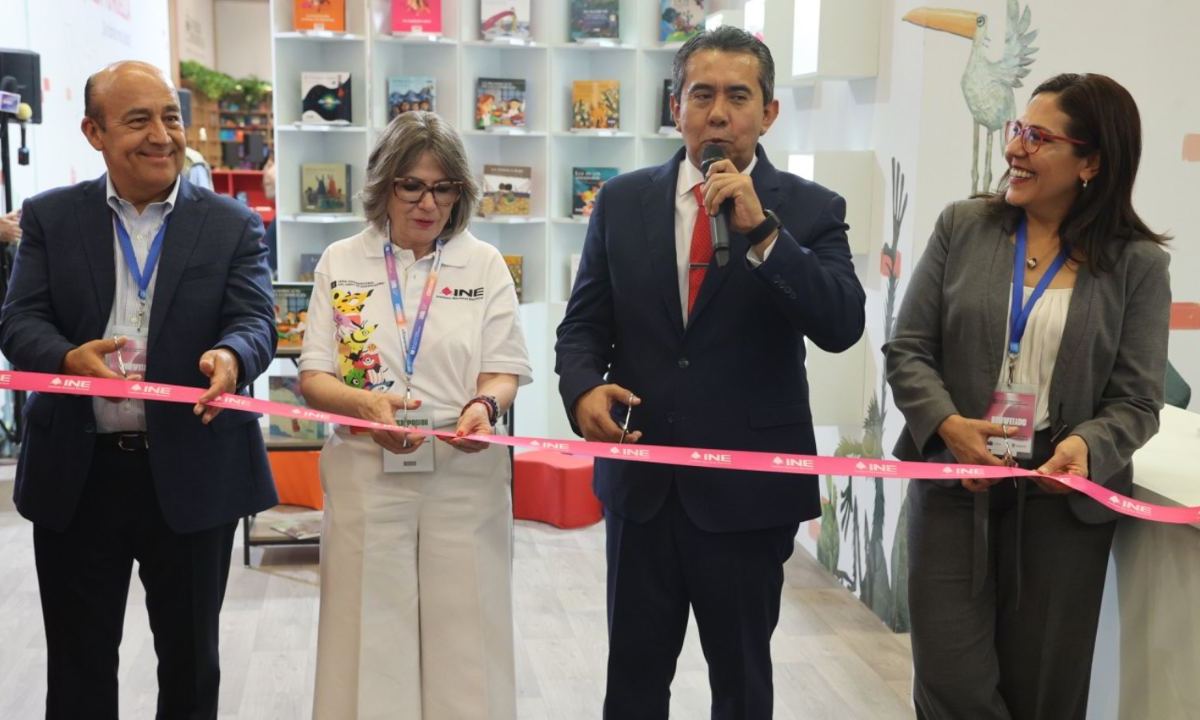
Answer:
x=412 y=190
x=1032 y=138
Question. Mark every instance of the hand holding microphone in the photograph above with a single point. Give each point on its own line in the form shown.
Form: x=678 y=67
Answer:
x=729 y=200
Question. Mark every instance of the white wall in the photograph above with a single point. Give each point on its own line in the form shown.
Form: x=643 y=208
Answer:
x=195 y=31
x=243 y=33
x=75 y=38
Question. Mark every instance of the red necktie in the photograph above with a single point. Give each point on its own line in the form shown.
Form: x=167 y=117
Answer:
x=701 y=252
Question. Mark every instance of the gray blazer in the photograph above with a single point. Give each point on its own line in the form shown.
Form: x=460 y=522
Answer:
x=947 y=350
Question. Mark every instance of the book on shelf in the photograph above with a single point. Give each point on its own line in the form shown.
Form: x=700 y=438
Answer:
x=410 y=92
x=299 y=526
x=504 y=19
x=507 y=190
x=326 y=15
x=286 y=389
x=596 y=104
x=325 y=98
x=499 y=102
x=308 y=266
x=291 y=313
x=586 y=183
x=515 y=265
x=417 y=16
x=325 y=188
x=666 y=122
x=679 y=20
x=595 y=19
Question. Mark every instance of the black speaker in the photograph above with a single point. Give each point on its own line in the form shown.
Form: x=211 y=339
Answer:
x=185 y=106
x=24 y=67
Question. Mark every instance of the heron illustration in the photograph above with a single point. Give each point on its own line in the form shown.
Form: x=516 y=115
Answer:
x=987 y=85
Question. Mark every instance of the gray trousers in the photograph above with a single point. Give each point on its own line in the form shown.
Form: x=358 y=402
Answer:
x=1019 y=647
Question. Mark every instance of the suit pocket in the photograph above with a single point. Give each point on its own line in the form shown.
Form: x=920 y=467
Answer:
x=769 y=417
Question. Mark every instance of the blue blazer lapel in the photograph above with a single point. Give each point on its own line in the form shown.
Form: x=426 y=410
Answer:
x=766 y=186
x=658 y=211
x=96 y=233
x=183 y=235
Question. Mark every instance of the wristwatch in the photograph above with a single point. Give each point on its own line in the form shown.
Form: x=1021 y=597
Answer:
x=489 y=402
x=769 y=225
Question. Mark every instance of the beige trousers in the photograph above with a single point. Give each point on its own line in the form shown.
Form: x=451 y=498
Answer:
x=416 y=587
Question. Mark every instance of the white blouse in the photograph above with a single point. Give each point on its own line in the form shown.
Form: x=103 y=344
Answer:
x=1039 y=347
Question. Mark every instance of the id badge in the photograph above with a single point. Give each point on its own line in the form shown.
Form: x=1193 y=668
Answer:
x=130 y=359
x=421 y=459
x=1013 y=406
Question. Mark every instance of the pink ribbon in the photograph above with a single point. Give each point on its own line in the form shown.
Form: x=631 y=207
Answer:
x=693 y=457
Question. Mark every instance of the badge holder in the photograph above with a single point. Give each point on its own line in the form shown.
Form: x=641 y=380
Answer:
x=1013 y=407
x=129 y=359
x=419 y=460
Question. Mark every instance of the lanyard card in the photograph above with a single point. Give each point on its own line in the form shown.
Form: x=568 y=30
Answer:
x=421 y=459
x=130 y=359
x=1013 y=406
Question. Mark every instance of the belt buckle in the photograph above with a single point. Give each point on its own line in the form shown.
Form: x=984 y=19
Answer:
x=136 y=442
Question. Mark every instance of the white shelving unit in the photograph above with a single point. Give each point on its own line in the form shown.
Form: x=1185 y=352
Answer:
x=549 y=63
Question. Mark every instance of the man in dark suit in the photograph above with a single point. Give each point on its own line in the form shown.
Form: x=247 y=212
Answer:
x=137 y=274
x=726 y=372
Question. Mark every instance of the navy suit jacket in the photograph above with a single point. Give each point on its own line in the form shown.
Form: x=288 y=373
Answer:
x=734 y=377
x=213 y=289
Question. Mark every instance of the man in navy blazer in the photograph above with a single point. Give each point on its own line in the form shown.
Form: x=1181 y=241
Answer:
x=728 y=374
x=108 y=482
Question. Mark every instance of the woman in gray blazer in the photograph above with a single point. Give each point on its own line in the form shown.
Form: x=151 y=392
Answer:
x=1064 y=373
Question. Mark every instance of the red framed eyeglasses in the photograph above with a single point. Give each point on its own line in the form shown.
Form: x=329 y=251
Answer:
x=1033 y=137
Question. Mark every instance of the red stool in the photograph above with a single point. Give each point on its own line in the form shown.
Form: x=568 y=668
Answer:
x=554 y=488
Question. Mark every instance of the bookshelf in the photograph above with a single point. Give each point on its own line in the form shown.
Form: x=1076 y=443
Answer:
x=548 y=63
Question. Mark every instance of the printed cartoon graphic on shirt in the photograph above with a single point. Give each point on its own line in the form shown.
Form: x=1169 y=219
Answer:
x=359 y=358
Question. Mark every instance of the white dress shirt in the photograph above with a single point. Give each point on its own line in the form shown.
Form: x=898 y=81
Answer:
x=686 y=210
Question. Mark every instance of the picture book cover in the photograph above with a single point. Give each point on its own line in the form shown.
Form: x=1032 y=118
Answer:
x=308 y=265
x=499 y=102
x=680 y=19
x=291 y=315
x=410 y=92
x=286 y=389
x=417 y=16
x=507 y=190
x=326 y=15
x=504 y=19
x=596 y=104
x=515 y=265
x=325 y=188
x=325 y=98
x=586 y=183
x=599 y=19
x=665 y=121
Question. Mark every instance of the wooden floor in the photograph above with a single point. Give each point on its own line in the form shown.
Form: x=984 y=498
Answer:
x=833 y=659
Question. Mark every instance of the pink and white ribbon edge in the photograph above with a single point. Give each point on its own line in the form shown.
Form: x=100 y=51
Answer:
x=694 y=457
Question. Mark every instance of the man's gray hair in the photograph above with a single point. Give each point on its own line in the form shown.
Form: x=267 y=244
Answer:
x=730 y=39
x=398 y=151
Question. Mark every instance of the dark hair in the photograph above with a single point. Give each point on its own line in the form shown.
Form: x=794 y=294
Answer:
x=726 y=38
x=1102 y=220
x=89 y=101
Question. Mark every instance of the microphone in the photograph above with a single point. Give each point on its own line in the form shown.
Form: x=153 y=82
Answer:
x=718 y=224
x=24 y=112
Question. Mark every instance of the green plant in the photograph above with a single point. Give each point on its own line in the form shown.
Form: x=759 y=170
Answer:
x=218 y=86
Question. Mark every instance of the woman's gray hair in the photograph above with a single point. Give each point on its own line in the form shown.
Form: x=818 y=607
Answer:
x=398 y=151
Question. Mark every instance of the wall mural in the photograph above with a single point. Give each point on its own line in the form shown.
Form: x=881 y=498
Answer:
x=987 y=85
x=868 y=577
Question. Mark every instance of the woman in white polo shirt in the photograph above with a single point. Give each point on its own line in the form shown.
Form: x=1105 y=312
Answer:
x=416 y=600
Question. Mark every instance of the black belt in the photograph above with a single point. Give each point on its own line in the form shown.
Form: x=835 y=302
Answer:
x=138 y=442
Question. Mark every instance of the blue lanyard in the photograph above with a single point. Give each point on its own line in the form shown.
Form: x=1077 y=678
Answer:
x=410 y=349
x=1019 y=316
x=141 y=275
